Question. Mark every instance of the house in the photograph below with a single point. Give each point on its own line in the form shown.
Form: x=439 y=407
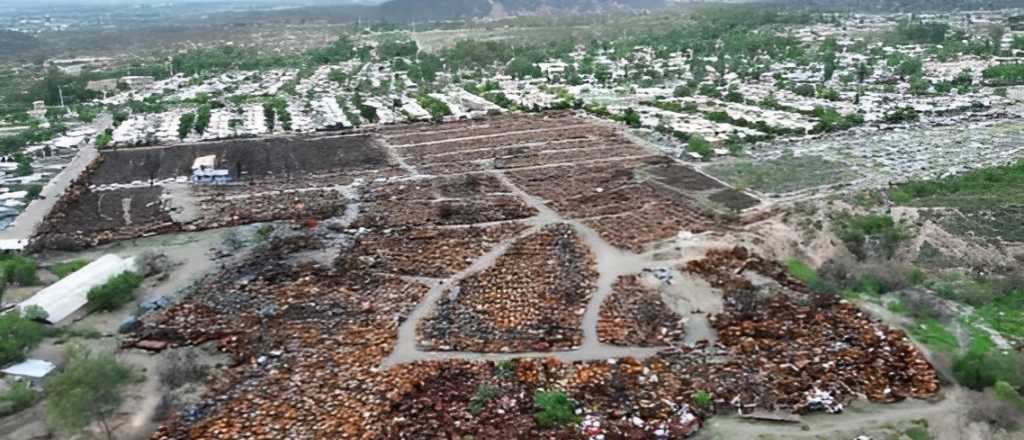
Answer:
x=204 y=171
x=103 y=86
x=136 y=82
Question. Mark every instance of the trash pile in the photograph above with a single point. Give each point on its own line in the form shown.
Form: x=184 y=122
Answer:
x=427 y=251
x=531 y=299
x=627 y=213
x=485 y=209
x=803 y=346
x=635 y=315
x=309 y=336
x=219 y=211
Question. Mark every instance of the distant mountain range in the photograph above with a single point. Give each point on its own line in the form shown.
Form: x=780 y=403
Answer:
x=437 y=10
x=405 y=11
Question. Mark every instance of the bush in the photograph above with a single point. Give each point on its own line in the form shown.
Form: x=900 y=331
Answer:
x=18 y=335
x=978 y=370
x=35 y=313
x=702 y=399
x=555 y=409
x=484 y=393
x=264 y=231
x=115 y=293
x=805 y=90
x=437 y=108
x=20 y=270
x=919 y=433
x=855 y=230
x=1007 y=393
x=19 y=396
x=66 y=268
x=682 y=91
x=103 y=139
x=699 y=145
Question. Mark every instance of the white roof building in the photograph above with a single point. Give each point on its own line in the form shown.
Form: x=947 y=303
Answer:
x=31 y=369
x=66 y=296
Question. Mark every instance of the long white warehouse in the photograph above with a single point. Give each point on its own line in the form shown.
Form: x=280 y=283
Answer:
x=66 y=296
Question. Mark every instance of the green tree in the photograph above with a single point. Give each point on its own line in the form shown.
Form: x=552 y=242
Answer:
x=631 y=118
x=269 y=117
x=103 y=139
x=202 y=121
x=88 y=391
x=806 y=90
x=185 y=125
x=697 y=144
x=682 y=91
x=17 y=336
x=909 y=67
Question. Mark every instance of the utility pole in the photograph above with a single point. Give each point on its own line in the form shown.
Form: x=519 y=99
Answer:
x=60 y=92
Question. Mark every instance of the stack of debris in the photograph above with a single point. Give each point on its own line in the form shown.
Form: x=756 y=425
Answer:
x=635 y=315
x=531 y=299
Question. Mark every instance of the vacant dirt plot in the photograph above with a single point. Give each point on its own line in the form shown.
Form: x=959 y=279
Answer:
x=246 y=158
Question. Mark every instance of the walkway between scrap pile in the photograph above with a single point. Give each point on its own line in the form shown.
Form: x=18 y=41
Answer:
x=17 y=234
x=611 y=264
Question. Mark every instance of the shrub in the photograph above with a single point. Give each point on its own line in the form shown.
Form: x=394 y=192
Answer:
x=699 y=145
x=20 y=270
x=555 y=409
x=33 y=191
x=918 y=433
x=682 y=91
x=18 y=335
x=35 y=313
x=264 y=231
x=438 y=109
x=855 y=230
x=1007 y=393
x=805 y=90
x=66 y=268
x=103 y=139
x=19 y=396
x=702 y=399
x=484 y=393
x=978 y=370
x=116 y=292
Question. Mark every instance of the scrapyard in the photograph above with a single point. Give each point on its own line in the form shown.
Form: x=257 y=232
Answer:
x=454 y=280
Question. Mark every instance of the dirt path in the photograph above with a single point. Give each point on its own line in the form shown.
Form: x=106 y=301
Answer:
x=946 y=420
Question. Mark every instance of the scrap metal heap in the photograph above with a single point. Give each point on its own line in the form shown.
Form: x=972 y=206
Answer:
x=314 y=340
x=431 y=252
x=625 y=211
x=635 y=315
x=799 y=342
x=531 y=299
